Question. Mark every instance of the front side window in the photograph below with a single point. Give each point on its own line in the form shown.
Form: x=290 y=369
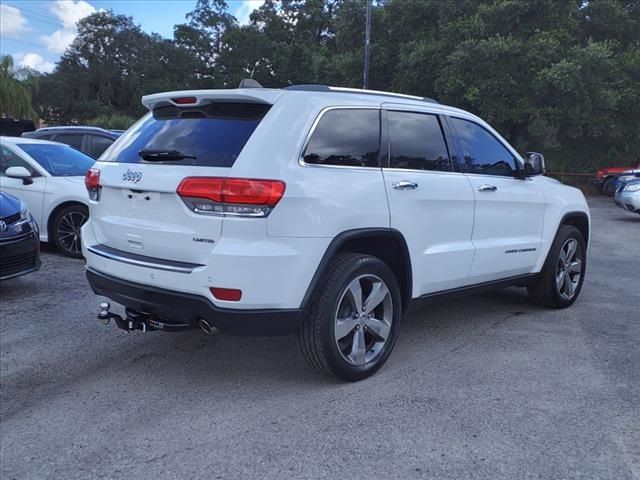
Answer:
x=10 y=159
x=416 y=142
x=58 y=160
x=482 y=152
x=345 y=137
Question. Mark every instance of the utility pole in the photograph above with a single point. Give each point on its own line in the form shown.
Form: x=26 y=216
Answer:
x=367 y=42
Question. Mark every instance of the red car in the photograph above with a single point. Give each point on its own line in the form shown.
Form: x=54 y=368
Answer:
x=606 y=178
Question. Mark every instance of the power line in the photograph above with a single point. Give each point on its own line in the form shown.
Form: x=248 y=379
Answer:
x=40 y=15
x=28 y=43
x=20 y=15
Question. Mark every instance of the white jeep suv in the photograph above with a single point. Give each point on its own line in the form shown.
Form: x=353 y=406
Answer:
x=323 y=211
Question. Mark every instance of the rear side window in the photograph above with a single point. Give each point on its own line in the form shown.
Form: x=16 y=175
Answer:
x=347 y=138
x=416 y=142
x=212 y=135
x=99 y=145
x=482 y=152
x=72 y=139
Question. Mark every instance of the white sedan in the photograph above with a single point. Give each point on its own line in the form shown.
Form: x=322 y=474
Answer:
x=49 y=178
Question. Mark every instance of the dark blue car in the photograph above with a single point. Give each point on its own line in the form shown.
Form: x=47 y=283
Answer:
x=19 y=244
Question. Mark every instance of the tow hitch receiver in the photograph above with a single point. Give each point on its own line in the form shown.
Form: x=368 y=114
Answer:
x=129 y=324
x=138 y=321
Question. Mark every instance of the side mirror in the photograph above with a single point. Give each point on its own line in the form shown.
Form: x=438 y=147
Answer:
x=533 y=164
x=19 y=172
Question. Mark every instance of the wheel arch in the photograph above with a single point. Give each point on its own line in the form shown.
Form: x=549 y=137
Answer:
x=57 y=209
x=385 y=243
x=580 y=220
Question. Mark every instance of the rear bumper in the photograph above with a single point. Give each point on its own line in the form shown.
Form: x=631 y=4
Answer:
x=19 y=256
x=187 y=308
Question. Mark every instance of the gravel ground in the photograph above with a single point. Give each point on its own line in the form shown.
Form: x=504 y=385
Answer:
x=485 y=387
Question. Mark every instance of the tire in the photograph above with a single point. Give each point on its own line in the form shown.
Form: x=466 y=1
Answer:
x=65 y=229
x=552 y=288
x=332 y=339
x=609 y=186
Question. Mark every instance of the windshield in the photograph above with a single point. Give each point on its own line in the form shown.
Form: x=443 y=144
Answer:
x=210 y=135
x=59 y=160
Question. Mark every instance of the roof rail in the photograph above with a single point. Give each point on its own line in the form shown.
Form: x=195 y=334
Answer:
x=326 y=88
x=81 y=127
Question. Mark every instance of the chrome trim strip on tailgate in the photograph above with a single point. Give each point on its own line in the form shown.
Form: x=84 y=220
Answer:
x=143 y=261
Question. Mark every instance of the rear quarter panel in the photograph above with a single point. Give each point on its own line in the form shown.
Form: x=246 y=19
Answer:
x=319 y=201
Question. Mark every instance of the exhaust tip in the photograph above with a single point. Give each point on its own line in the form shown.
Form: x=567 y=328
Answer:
x=207 y=327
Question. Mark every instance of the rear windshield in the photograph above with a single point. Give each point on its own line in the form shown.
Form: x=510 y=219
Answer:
x=59 y=160
x=211 y=135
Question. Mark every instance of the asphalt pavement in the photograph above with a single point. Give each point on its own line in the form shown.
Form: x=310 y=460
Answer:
x=488 y=387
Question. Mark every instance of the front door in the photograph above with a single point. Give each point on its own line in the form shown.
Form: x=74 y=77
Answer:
x=32 y=194
x=507 y=231
x=429 y=203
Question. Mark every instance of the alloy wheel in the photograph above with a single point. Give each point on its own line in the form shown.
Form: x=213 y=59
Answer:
x=363 y=319
x=69 y=231
x=569 y=268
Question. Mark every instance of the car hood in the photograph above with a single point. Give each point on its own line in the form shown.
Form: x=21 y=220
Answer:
x=9 y=205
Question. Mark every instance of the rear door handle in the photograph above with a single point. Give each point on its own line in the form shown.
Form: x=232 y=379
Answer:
x=487 y=188
x=404 y=185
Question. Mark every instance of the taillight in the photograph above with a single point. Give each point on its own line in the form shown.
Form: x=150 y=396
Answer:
x=184 y=100
x=92 y=182
x=231 y=196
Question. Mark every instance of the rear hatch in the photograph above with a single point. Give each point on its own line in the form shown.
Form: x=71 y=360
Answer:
x=183 y=136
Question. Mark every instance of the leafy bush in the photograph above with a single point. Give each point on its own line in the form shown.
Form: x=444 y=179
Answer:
x=114 y=121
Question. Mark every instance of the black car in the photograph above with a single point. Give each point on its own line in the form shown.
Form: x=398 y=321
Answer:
x=19 y=239
x=90 y=140
x=14 y=127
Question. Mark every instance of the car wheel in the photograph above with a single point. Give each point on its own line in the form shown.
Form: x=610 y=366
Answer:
x=562 y=276
x=355 y=319
x=66 y=229
x=609 y=186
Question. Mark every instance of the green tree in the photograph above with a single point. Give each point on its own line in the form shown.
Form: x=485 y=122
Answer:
x=109 y=66
x=203 y=36
x=15 y=95
x=557 y=76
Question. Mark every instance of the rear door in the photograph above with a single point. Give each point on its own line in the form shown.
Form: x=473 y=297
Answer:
x=507 y=232
x=139 y=210
x=429 y=203
x=75 y=140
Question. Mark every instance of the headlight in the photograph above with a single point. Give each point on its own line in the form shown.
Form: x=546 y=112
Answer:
x=634 y=187
x=24 y=213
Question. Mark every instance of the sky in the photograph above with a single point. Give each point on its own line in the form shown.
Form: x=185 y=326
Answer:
x=36 y=32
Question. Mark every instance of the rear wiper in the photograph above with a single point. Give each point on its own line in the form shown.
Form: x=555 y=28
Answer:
x=163 y=155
